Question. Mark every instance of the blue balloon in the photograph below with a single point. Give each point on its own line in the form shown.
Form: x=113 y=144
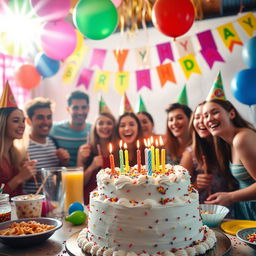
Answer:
x=46 y=66
x=243 y=86
x=249 y=53
x=76 y=206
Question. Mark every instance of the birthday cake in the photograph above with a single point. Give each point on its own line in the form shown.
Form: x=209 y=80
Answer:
x=133 y=213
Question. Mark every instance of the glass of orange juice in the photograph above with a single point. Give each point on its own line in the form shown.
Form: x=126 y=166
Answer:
x=73 y=182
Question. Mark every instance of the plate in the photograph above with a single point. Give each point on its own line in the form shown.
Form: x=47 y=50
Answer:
x=221 y=248
x=243 y=233
x=31 y=239
x=231 y=227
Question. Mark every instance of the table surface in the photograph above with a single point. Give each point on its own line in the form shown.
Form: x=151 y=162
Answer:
x=55 y=245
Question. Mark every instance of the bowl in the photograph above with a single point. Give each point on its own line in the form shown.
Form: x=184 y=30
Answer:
x=243 y=233
x=212 y=214
x=30 y=239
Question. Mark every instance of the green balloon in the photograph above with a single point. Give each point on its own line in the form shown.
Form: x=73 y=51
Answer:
x=76 y=217
x=95 y=19
x=21 y=7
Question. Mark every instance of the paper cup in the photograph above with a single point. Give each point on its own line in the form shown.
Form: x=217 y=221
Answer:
x=28 y=206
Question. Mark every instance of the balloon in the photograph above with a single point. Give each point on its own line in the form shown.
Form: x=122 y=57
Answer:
x=46 y=66
x=95 y=19
x=20 y=7
x=76 y=217
x=117 y=2
x=27 y=76
x=51 y=9
x=79 y=41
x=76 y=206
x=58 y=39
x=173 y=17
x=243 y=86
x=249 y=53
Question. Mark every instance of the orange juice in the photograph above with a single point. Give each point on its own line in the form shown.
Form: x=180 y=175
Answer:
x=73 y=182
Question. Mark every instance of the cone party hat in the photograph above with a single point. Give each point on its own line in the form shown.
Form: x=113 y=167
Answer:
x=7 y=99
x=125 y=105
x=141 y=106
x=103 y=106
x=217 y=90
x=183 y=99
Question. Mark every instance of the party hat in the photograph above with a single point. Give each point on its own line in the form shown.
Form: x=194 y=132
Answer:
x=103 y=106
x=125 y=105
x=183 y=99
x=141 y=106
x=217 y=90
x=7 y=99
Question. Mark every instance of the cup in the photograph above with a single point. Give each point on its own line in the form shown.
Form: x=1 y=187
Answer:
x=54 y=191
x=28 y=206
x=5 y=208
x=73 y=182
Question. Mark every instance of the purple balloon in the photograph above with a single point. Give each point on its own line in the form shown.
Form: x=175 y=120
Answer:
x=58 y=39
x=51 y=9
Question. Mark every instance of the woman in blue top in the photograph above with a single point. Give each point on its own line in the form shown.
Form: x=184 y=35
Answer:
x=235 y=142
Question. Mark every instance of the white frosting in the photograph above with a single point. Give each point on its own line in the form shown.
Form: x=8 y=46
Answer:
x=136 y=214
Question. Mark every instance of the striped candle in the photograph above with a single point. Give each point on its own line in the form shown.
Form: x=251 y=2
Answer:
x=121 y=157
x=149 y=162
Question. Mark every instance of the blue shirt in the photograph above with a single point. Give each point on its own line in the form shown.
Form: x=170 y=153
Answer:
x=69 y=138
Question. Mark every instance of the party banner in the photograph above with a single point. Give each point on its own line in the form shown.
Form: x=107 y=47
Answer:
x=165 y=73
x=85 y=78
x=164 y=52
x=209 y=48
x=102 y=79
x=143 y=57
x=121 y=56
x=143 y=79
x=189 y=65
x=98 y=58
x=248 y=23
x=184 y=46
x=122 y=80
x=229 y=35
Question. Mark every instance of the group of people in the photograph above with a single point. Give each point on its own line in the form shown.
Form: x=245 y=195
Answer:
x=213 y=142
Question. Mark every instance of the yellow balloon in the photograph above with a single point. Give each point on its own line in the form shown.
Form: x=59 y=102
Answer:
x=79 y=42
x=10 y=47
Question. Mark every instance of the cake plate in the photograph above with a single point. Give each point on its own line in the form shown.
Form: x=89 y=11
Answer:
x=221 y=248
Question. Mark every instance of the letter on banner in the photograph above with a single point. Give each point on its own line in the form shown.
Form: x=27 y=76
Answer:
x=229 y=36
x=189 y=65
x=143 y=57
x=101 y=81
x=120 y=56
x=85 y=78
x=165 y=73
x=122 y=82
x=184 y=46
x=164 y=52
x=143 y=79
x=248 y=23
x=98 y=58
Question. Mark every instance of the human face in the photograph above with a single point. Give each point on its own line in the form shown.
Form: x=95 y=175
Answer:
x=178 y=123
x=78 y=111
x=198 y=123
x=146 y=125
x=128 y=130
x=15 y=125
x=104 y=127
x=217 y=119
x=41 y=122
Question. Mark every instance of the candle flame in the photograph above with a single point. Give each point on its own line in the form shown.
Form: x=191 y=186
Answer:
x=161 y=141
x=149 y=144
x=151 y=140
x=125 y=145
x=145 y=142
x=120 y=144
x=156 y=142
x=138 y=144
x=110 y=148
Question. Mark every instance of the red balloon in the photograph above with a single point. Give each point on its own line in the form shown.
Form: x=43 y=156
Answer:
x=173 y=17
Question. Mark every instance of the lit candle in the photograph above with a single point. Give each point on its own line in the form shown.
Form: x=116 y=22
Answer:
x=162 y=154
x=121 y=156
x=126 y=158
x=138 y=156
x=153 y=153
x=157 y=156
x=149 y=162
x=111 y=159
x=146 y=154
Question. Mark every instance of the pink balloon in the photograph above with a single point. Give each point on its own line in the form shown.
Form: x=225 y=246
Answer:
x=51 y=9
x=58 y=39
x=117 y=2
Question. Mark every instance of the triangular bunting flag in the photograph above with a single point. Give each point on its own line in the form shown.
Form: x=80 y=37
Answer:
x=141 y=106
x=183 y=99
x=7 y=99
x=217 y=90
x=103 y=108
x=125 y=105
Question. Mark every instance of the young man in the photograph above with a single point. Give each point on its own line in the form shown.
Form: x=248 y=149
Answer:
x=71 y=134
x=41 y=146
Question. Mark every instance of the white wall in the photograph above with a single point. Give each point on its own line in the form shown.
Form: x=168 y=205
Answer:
x=159 y=98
